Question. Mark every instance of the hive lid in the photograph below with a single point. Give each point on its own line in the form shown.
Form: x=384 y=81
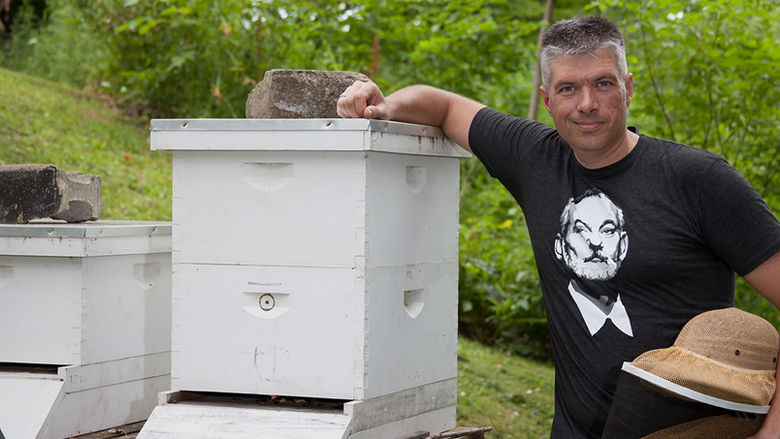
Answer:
x=302 y=135
x=98 y=238
x=95 y=229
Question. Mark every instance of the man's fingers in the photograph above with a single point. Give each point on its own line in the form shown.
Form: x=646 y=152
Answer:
x=357 y=94
x=345 y=106
x=358 y=104
x=359 y=100
x=374 y=112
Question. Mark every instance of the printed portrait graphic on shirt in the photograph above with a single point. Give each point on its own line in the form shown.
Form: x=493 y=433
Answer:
x=593 y=243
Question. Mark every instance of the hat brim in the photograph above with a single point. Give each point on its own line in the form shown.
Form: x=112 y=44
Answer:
x=690 y=394
x=721 y=426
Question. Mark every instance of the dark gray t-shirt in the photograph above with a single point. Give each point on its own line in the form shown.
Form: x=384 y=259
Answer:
x=626 y=254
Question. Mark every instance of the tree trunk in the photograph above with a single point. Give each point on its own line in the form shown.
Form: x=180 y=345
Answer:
x=533 y=108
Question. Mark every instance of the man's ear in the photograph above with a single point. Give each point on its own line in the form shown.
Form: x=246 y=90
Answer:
x=559 y=246
x=545 y=97
x=623 y=245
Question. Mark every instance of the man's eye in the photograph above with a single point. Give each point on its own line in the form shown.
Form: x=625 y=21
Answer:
x=609 y=231
x=604 y=84
x=579 y=229
x=567 y=89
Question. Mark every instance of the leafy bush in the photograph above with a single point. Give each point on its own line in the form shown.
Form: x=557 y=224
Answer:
x=59 y=47
x=500 y=299
x=196 y=58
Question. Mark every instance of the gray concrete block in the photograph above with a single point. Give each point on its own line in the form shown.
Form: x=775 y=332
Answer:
x=33 y=191
x=299 y=94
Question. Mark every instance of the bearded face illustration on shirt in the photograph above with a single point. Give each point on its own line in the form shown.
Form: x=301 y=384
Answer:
x=593 y=243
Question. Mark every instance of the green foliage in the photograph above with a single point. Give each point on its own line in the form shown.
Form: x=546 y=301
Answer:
x=500 y=300
x=705 y=74
x=59 y=48
x=177 y=57
x=44 y=122
x=198 y=58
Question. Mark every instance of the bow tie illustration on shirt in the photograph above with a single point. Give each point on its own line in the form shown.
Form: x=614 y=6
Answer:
x=595 y=312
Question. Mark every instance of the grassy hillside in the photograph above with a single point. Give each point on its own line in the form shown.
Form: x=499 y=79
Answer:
x=42 y=122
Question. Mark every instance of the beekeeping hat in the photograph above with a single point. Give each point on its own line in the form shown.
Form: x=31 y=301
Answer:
x=726 y=358
x=727 y=426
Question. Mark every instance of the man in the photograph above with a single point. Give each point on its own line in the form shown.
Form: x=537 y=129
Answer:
x=693 y=221
x=592 y=244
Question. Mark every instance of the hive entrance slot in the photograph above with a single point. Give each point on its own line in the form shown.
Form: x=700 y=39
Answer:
x=43 y=369
x=261 y=400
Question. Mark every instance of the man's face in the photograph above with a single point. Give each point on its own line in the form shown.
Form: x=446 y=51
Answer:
x=587 y=102
x=595 y=243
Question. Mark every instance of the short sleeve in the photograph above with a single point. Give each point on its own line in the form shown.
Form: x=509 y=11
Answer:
x=502 y=142
x=734 y=219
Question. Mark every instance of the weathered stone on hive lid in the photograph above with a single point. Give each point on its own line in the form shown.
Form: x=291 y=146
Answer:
x=299 y=94
x=43 y=191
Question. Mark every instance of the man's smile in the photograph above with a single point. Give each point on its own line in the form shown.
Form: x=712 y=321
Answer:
x=588 y=125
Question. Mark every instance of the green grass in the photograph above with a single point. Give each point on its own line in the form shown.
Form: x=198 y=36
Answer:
x=512 y=394
x=42 y=122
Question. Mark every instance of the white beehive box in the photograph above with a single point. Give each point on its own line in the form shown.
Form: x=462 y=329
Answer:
x=84 y=293
x=313 y=258
x=94 y=300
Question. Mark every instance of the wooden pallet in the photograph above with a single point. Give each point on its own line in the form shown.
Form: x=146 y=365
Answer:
x=127 y=431
x=130 y=431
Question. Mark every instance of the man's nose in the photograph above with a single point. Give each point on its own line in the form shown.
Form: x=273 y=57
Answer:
x=595 y=243
x=587 y=100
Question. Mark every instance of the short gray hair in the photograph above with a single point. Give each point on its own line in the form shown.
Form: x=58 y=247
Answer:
x=582 y=36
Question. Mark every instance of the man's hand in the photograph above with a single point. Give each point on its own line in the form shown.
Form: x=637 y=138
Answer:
x=418 y=104
x=363 y=99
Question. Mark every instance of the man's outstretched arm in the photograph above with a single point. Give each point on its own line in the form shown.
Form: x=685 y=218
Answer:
x=419 y=104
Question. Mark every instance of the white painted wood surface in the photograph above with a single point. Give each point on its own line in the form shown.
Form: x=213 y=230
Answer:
x=212 y=421
x=91 y=239
x=433 y=422
x=401 y=349
x=25 y=402
x=373 y=413
x=314 y=258
x=81 y=399
x=305 y=346
x=95 y=299
x=122 y=392
x=426 y=408
x=40 y=319
x=68 y=299
x=301 y=135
